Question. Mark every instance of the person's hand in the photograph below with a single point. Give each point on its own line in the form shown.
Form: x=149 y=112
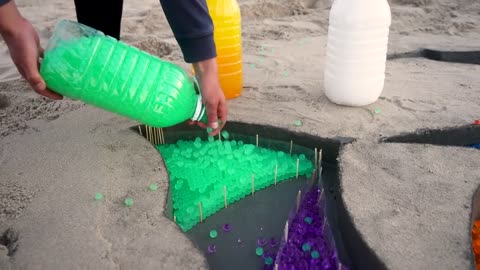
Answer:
x=24 y=46
x=212 y=95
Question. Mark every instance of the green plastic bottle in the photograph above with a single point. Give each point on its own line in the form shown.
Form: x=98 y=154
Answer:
x=84 y=64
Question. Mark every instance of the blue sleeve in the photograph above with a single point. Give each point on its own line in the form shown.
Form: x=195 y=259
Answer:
x=192 y=27
x=2 y=2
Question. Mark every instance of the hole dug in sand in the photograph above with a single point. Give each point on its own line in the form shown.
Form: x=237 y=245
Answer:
x=261 y=215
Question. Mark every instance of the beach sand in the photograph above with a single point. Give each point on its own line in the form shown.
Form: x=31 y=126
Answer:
x=55 y=155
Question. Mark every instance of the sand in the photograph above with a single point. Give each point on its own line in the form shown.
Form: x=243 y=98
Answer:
x=55 y=155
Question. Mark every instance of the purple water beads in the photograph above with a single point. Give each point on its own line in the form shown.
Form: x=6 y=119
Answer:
x=212 y=249
x=261 y=242
x=227 y=227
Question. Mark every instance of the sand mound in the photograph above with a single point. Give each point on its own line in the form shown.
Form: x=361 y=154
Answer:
x=19 y=104
x=417 y=3
x=13 y=199
x=258 y=10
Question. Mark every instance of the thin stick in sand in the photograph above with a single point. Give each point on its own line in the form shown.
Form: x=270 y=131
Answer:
x=147 y=133
x=321 y=195
x=225 y=196
x=174 y=218
x=316 y=158
x=299 y=195
x=276 y=172
x=200 y=211
x=256 y=137
x=152 y=135
x=319 y=161
x=253 y=183
x=140 y=130
x=276 y=266
x=159 y=136
x=163 y=136
x=325 y=221
x=155 y=138
x=291 y=147
x=285 y=232
x=298 y=163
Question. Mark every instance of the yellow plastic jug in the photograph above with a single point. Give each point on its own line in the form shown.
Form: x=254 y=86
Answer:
x=228 y=40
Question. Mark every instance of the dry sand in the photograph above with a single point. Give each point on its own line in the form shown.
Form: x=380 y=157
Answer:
x=54 y=155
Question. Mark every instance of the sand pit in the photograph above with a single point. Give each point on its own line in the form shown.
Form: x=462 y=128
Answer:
x=55 y=155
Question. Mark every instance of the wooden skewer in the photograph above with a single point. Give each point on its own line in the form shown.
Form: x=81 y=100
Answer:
x=339 y=266
x=299 y=195
x=298 y=163
x=316 y=158
x=200 y=211
x=225 y=196
x=276 y=266
x=147 y=133
x=219 y=137
x=285 y=231
x=320 y=158
x=321 y=195
x=257 y=139
x=159 y=136
x=291 y=147
x=140 y=130
x=163 y=136
x=253 y=183
x=174 y=218
x=325 y=221
x=155 y=137
x=152 y=136
x=276 y=172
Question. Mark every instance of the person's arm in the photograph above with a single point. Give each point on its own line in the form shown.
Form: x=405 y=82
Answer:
x=192 y=27
x=24 y=46
x=9 y=17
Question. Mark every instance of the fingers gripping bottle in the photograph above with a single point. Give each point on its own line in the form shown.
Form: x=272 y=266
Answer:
x=356 y=51
x=83 y=63
x=227 y=34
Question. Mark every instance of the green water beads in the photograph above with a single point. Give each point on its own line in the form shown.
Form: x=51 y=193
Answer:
x=268 y=260
x=213 y=234
x=98 y=196
x=225 y=134
x=306 y=247
x=308 y=220
x=216 y=173
x=259 y=251
x=128 y=202
x=153 y=186
x=315 y=254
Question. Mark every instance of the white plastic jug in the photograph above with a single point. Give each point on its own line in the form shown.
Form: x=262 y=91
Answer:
x=356 y=55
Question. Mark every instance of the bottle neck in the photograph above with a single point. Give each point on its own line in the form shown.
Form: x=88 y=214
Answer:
x=199 y=114
x=199 y=110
